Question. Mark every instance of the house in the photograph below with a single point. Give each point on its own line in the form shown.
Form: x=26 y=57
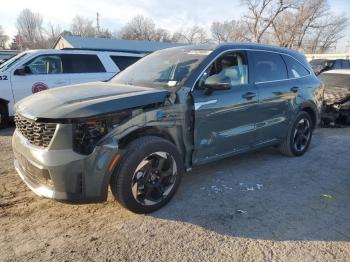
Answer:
x=105 y=44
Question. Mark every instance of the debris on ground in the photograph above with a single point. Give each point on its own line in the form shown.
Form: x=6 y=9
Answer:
x=250 y=187
x=328 y=196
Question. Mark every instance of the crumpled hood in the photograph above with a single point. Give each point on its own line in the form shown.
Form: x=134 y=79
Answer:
x=86 y=100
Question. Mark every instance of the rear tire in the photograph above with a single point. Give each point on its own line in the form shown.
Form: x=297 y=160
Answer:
x=299 y=136
x=148 y=174
x=4 y=116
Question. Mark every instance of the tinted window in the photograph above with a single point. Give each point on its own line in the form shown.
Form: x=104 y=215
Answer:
x=82 y=64
x=295 y=69
x=124 y=61
x=268 y=66
x=45 y=64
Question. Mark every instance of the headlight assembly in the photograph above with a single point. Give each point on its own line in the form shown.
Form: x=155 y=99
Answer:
x=87 y=133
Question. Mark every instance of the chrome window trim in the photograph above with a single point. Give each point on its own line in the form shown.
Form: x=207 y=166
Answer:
x=249 y=49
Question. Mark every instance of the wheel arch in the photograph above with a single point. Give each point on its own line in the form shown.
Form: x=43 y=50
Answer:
x=144 y=131
x=311 y=109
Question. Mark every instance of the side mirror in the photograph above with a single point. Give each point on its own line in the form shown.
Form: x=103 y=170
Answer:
x=25 y=70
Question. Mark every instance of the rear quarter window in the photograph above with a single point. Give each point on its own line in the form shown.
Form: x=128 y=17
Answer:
x=267 y=66
x=295 y=68
x=124 y=61
x=80 y=63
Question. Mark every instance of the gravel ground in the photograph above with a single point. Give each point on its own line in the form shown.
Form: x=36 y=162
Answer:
x=256 y=207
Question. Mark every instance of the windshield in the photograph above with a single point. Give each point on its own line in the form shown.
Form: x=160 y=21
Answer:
x=11 y=61
x=165 y=69
x=336 y=80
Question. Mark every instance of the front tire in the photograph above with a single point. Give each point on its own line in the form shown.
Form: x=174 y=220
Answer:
x=148 y=174
x=299 y=136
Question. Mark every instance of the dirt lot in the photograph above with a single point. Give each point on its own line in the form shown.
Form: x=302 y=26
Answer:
x=256 y=207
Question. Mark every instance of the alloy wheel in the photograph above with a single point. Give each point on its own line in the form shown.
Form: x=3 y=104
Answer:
x=154 y=178
x=302 y=134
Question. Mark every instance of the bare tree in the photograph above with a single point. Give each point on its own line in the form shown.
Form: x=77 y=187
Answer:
x=3 y=38
x=261 y=15
x=143 y=28
x=139 y=28
x=83 y=26
x=228 y=31
x=310 y=27
x=30 y=30
x=192 y=35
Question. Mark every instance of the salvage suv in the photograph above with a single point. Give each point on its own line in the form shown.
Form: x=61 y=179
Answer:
x=170 y=111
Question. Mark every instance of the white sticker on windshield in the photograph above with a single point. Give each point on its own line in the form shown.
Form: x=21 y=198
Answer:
x=172 y=83
x=200 y=52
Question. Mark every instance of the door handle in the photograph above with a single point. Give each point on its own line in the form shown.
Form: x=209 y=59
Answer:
x=294 y=89
x=60 y=82
x=249 y=95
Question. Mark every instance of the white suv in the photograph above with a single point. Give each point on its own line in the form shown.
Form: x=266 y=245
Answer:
x=33 y=71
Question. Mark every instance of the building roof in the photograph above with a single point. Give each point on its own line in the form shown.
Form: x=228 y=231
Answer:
x=92 y=43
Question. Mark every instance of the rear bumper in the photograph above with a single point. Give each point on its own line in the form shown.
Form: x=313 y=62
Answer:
x=63 y=174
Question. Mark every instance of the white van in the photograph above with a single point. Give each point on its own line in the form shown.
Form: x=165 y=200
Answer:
x=33 y=71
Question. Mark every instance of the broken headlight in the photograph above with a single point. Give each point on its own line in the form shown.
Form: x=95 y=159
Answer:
x=87 y=133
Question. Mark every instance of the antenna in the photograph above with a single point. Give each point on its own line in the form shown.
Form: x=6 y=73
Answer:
x=98 y=22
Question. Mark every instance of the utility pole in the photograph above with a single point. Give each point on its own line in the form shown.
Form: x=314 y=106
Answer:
x=98 y=23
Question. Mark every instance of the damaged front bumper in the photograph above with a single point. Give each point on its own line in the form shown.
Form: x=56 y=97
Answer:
x=61 y=173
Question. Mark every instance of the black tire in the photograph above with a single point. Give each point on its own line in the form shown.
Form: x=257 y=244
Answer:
x=4 y=116
x=125 y=174
x=288 y=146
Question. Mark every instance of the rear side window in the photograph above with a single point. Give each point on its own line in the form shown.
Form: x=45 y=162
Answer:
x=124 y=61
x=295 y=69
x=267 y=66
x=76 y=63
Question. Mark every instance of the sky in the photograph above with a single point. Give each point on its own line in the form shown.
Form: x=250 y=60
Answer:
x=169 y=14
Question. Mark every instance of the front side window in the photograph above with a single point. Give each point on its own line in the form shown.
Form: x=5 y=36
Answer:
x=229 y=68
x=80 y=63
x=45 y=64
x=167 y=68
x=295 y=69
x=268 y=66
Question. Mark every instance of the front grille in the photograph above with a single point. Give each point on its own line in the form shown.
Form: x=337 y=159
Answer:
x=39 y=134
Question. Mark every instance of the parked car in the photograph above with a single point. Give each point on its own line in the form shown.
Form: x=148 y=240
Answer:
x=336 y=109
x=322 y=65
x=33 y=71
x=170 y=111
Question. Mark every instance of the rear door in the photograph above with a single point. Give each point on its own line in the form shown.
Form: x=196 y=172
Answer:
x=224 y=119
x=84 y=68
x=43 y=72
x=277 y=94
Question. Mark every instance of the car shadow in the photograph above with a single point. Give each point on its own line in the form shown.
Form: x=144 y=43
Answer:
x=264 y=195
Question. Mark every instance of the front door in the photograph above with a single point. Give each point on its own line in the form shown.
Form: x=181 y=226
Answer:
x=42 y=72
x=224 y=119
